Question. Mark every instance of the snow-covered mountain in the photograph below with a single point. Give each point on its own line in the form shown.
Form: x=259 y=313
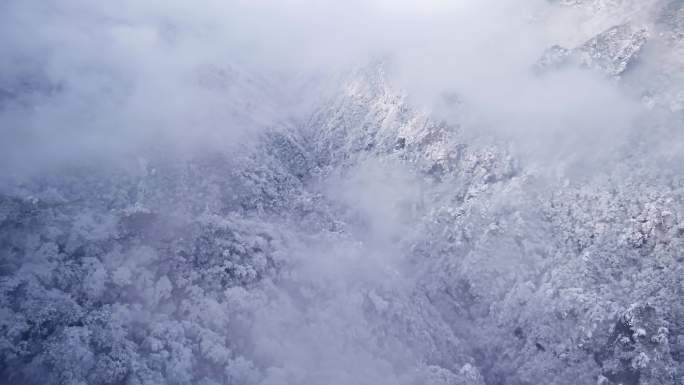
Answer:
x=344 y=233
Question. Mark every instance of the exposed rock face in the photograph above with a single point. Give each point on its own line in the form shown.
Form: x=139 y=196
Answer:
x=614 y=50
x=611 y=52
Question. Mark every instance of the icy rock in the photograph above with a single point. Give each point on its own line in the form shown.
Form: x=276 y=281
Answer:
x=611 y=51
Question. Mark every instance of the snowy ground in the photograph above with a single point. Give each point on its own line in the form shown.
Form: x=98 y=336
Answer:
x=496 y=197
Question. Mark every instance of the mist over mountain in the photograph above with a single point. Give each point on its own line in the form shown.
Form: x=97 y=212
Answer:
x=343 y=193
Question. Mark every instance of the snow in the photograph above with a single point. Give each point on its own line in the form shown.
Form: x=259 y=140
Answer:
x=369 y=242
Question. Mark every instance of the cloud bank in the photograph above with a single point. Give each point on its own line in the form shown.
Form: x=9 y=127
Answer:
x=80 y=80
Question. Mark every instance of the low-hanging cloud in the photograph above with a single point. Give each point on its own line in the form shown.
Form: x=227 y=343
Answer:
x=81 y=79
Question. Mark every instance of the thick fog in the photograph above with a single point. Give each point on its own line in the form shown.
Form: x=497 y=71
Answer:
x=338 y=192
x=83 y=80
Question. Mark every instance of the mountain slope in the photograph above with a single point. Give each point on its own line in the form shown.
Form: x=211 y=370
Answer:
x=371 y=241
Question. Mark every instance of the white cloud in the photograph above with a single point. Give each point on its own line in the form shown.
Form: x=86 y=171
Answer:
x=87 y=79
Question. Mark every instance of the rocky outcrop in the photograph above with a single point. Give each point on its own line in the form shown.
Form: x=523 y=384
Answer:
x=611 y=52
